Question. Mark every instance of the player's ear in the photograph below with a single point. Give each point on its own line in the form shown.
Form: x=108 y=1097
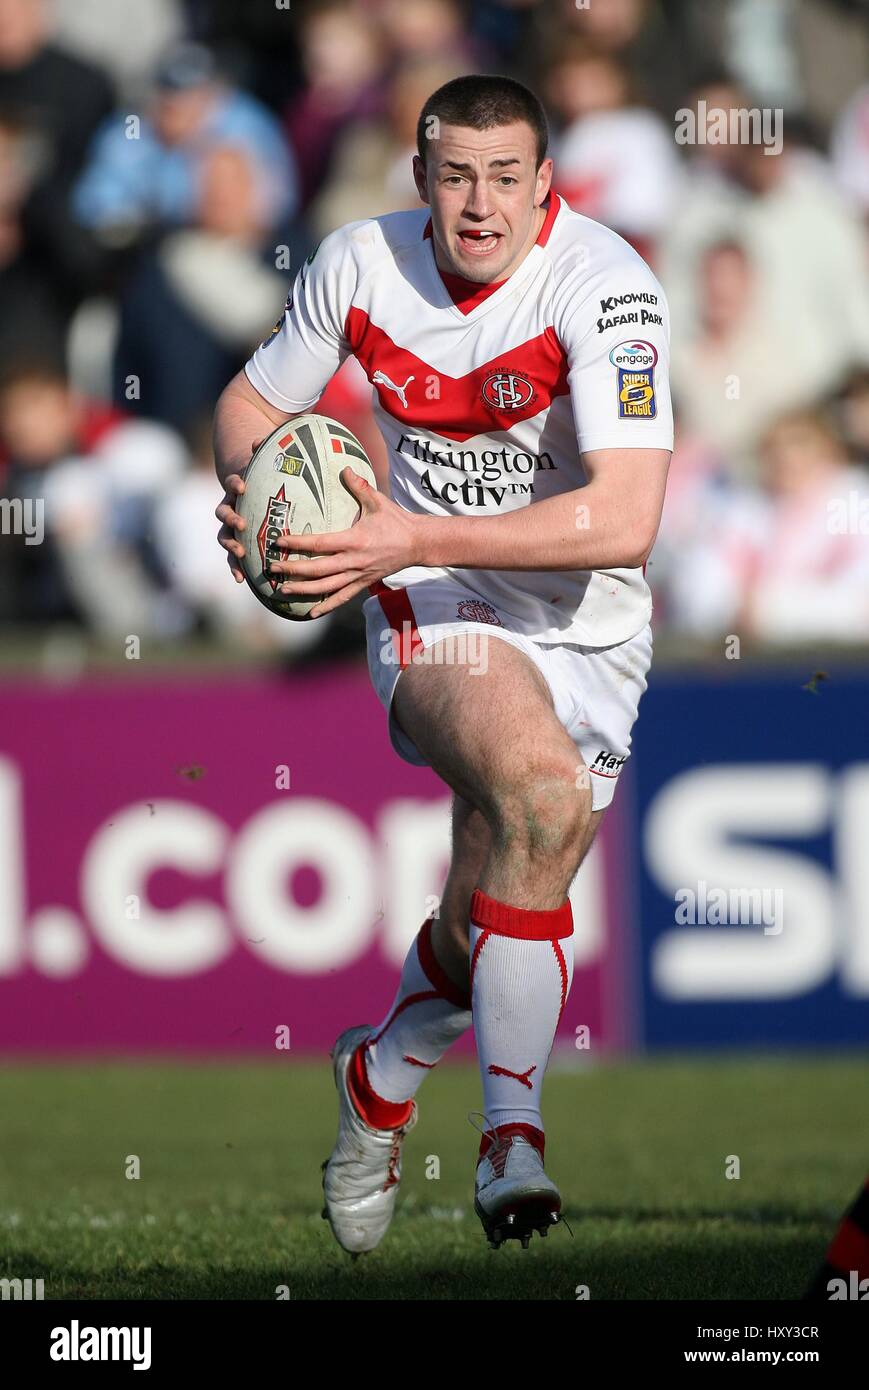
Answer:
x=544 y=181
x=420 y=178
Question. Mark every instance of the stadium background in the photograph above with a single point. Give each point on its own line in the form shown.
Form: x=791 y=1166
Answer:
x=210 y=857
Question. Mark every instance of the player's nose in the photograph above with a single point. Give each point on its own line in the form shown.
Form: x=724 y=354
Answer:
x=478 y=202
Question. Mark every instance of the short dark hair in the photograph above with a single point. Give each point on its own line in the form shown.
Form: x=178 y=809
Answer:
x=26 y=371
x=482 y=101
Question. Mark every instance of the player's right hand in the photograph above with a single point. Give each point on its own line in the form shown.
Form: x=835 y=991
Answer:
x=231 y=521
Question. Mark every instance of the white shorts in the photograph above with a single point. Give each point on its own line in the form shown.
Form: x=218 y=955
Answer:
x=595 y=690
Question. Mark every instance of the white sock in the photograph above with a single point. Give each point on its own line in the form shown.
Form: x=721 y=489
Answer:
x=521 y=973
x=427 y=1015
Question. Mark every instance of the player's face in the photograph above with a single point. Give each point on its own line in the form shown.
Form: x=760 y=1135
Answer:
x=485 y=191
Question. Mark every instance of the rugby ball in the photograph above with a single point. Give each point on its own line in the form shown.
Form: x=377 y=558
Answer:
x=292 y=485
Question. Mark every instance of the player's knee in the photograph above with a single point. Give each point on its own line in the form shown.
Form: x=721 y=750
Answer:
x=543 y=814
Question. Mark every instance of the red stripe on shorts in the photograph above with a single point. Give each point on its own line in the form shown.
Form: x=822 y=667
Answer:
x=401 y=618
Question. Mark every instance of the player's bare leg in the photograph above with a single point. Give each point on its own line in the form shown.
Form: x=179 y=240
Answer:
x=471 y=846
x=496 y=741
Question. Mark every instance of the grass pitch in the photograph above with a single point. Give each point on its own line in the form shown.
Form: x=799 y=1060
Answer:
x=228 y=1201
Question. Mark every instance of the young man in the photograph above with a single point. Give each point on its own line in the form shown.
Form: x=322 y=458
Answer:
x=519 y=357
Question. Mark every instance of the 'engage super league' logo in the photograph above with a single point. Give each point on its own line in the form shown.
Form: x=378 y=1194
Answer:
x=635 y=364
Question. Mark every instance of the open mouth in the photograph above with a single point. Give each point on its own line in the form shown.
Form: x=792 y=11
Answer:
x=479 y=243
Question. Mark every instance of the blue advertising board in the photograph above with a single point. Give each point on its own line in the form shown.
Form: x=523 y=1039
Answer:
x=752 y=823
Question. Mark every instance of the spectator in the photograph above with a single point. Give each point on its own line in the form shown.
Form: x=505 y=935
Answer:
x=788 y=563
x=100 y=30
x=759 y=47
x=61 y=96
x=725 y=375
x=60 y=100
x=647 y=38
x=343 y=68
x=147 y=175
x=180 y=341
x=853 y=408
x=850 y=150
x=614 y=160
x=698 y=488
x=372 y=170
x=31 y=320
x=97 y=476
x=424 y=30
x=832 y=43
x=807 y=245
x=705 y=209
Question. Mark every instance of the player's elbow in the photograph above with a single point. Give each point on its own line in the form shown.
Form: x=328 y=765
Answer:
x=638 y=543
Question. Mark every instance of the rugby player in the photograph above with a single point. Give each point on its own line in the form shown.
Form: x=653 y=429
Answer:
x=519 y=354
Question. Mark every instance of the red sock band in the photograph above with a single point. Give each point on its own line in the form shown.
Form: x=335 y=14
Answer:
x=435 y=973
x=375 y=1111
x=530 y=1132
x=524 y=923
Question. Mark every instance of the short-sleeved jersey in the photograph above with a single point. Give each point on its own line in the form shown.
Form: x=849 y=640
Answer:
x=487 y=405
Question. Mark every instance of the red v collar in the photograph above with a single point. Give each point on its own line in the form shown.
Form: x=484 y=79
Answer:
x=467 y=294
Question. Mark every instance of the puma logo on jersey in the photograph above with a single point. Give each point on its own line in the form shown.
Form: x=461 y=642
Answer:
x=380 y=378
x=520 y=1076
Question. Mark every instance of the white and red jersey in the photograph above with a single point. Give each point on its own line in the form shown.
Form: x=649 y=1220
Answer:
x=487 y=396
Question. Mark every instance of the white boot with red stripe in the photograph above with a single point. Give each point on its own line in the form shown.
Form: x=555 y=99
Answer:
x=377 y=1072
x=514 y=1197
x=361 y=1175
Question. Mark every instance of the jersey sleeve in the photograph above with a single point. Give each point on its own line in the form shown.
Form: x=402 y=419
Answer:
x=294 y=365
x=614 y=327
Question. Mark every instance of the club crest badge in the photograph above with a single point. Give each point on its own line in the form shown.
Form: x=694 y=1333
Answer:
x=507 y=391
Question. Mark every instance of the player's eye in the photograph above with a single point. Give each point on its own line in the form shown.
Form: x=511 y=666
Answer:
x=506 y=178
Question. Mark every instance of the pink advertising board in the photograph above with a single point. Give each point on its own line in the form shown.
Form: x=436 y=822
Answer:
x=192 y=866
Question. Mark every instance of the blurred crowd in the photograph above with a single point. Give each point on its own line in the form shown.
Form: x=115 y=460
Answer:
x=165 y=166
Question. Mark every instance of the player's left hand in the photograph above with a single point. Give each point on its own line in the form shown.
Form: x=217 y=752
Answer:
x=384 y=538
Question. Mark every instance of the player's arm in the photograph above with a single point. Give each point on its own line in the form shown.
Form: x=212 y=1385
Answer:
x=242 y=420
x=286 y=375
x=611 y=523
